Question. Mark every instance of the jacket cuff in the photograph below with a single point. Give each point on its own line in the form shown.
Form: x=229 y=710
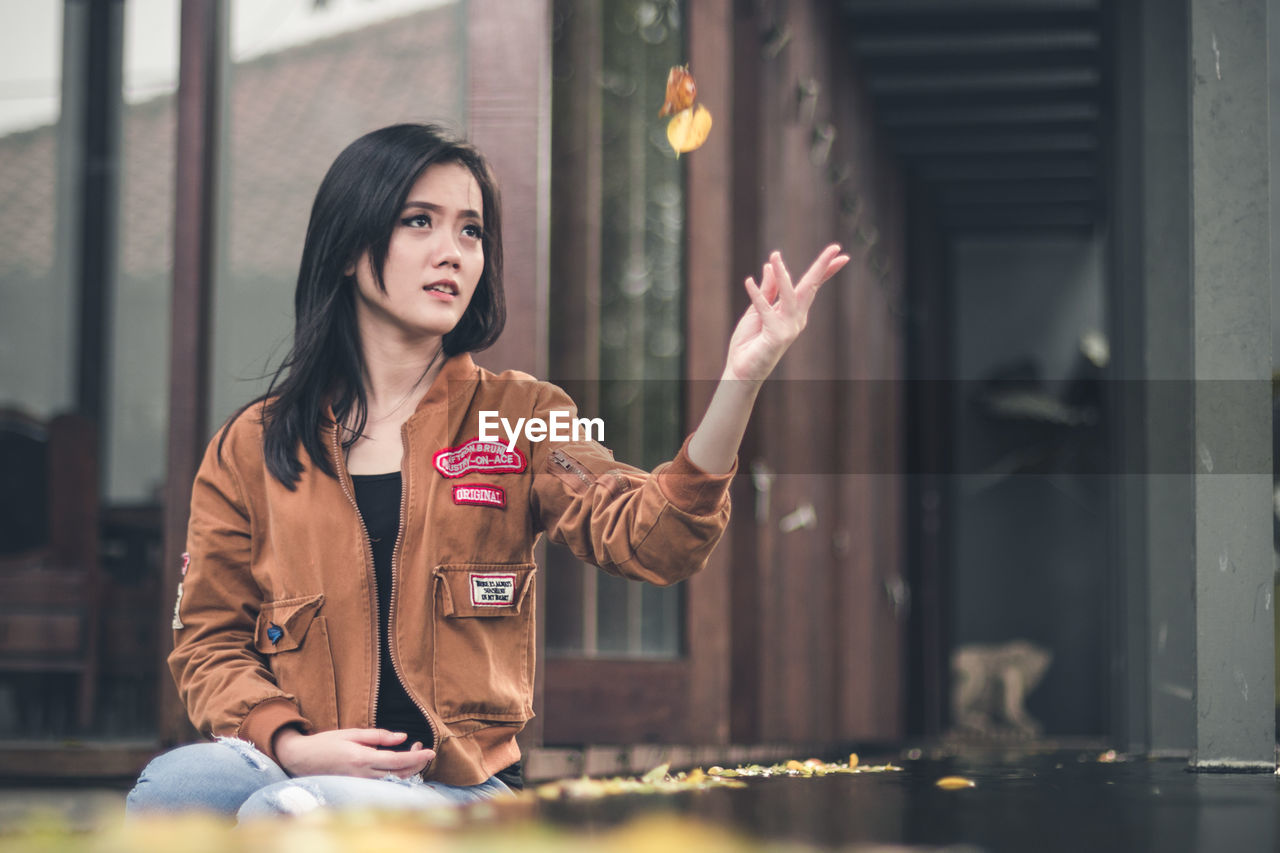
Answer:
x=267 y=718
x=690 y=488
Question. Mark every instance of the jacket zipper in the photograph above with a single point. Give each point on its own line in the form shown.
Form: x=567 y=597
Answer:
x=391 y=607
x=562 y=459
x=368 y=567
x=373 y=590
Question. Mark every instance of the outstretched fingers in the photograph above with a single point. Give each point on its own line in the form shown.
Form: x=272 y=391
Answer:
x=777 y=294
x=768 y=283
x=786 y=291
x=829 y=262
x=759 y=298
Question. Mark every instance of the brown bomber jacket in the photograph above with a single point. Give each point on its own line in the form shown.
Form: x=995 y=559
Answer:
x=276 y=618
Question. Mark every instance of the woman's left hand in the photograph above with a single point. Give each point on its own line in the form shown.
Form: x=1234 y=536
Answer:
x=777 y=314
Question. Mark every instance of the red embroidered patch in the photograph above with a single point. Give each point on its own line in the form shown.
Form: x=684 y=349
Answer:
x=480 y=495
x=484 y=457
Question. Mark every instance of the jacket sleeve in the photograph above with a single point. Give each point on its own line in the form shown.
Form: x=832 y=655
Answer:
x=226 y=685
x=658 y=527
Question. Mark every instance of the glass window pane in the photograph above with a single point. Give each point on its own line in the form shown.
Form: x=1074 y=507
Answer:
x=136 y=397
x=138 y=403
x=641 y=289
x=308 y=78
x=641 y=298
x=37 y=323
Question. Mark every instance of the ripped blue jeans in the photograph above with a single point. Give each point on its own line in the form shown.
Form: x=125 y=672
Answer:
x=232 y=777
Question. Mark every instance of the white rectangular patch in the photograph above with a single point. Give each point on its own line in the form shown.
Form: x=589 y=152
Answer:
x=492 y=590
x=177 y=610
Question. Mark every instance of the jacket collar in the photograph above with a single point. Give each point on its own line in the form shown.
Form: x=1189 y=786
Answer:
x=455 y=376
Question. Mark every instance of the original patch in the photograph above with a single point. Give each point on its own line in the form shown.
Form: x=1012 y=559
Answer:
x=492 y=589
x=476 y=456
x=480 y=495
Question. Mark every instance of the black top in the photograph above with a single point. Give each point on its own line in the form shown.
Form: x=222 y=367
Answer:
x=378 y=497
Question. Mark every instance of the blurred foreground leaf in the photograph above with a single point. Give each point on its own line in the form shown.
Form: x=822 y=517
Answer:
x=368 y=831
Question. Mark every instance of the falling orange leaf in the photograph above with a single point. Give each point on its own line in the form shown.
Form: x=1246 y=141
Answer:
x=681 y=90
x=688 y=129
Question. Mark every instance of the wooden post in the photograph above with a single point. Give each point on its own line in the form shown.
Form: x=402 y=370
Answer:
x=201 y=54
x=709 y=318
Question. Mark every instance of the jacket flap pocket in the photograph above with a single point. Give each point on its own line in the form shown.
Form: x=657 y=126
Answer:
x=484 y=589
x=283 y=624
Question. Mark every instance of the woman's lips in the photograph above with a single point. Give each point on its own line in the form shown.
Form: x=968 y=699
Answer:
x=445 y=290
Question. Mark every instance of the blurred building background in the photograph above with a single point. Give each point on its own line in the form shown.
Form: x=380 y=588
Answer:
x=1035 y=407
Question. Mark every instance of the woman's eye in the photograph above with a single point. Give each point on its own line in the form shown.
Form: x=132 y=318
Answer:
x=421 y=220
x=475 y=232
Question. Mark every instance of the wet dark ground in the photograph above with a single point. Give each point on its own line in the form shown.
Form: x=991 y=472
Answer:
x=1064 y=800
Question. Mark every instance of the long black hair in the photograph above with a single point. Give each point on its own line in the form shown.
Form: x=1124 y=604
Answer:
x=355 y=210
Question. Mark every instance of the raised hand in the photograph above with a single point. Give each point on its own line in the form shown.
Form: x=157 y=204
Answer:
x=777 y=314
x=349 y=752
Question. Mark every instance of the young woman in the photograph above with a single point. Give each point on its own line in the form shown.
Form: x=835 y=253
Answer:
x=355 y=624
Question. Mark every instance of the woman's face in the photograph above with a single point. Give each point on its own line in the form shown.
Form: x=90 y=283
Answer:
x=434 y=260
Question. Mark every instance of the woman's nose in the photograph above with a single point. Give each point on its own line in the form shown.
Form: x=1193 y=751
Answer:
x=447 y=252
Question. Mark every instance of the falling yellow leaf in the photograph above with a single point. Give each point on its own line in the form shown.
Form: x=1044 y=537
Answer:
x=954 y=783
x=688 y=129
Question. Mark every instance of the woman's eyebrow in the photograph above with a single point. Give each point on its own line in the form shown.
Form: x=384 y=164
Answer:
x=435 y=208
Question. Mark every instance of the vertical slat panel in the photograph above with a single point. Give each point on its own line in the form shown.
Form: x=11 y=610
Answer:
x=1230 y=265
x=746 y=687
x=829 y=663
x=708 y=324
x=927 y=435
x=202 y=51
x=99 y=201
x=574 y=357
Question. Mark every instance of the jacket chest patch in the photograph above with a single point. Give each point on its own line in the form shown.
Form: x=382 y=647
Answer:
x=482 y=457
x=480 y=495
x=492 y=589
x=177 y=605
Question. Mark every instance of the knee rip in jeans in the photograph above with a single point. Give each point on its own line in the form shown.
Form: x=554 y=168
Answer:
x=250 y=753
x=295 y=799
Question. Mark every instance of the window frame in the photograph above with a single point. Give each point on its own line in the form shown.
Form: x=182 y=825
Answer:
x=681 y=700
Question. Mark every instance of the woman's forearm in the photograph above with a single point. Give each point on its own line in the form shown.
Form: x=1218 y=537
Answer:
x=775 y=318
x=715 y=442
